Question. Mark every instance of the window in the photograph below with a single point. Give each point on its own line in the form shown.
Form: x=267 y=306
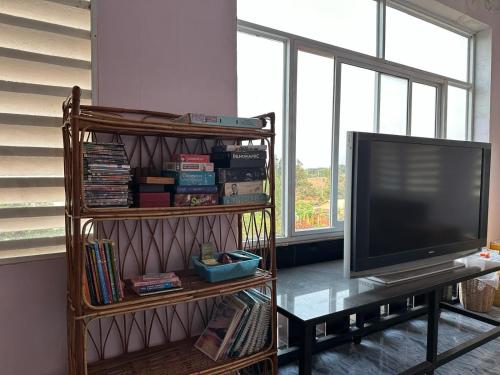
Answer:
x=457 y=114
x=423 y=110
x=44 y=51
x=393 y=105
x=260 y=90
x=357 y=113
x=326 y=21
x=313 y=141
x=415 y=81
x=423 y=45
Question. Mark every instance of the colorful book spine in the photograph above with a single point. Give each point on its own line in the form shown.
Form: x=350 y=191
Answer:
x=116 y=269
x=95 y=273
x=107 y=277
x=191 y=178
x=201 y=189
x=109 y=263
x=232 y=148
x=100 y=270
x=188 y=167
x=181 y=200
x=245 y=198
x=240 y=163
x=241 y=155
x=91 y=297
x=191 y=158
x=225 y=175
x=239 y=188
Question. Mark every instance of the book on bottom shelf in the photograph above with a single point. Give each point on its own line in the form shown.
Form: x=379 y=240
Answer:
x=239 y=326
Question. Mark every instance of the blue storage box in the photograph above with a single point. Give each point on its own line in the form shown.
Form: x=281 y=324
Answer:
x=228 y=271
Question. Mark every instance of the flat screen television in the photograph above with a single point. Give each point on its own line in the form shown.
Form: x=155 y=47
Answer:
x=412 y=201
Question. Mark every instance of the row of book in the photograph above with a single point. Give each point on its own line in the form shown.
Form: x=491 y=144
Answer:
x=104 y=285
x=240 y=326
x=106 y=175
x=232 y=174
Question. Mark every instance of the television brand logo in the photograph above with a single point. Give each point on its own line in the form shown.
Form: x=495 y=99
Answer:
x=431 y=252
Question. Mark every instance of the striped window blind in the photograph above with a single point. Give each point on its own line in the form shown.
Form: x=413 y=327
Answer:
x=45 y=49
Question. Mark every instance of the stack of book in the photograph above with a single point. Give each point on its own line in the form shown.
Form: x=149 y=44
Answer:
x=241 y=171
x=104 y=285
x=154 y=283
x=240 y=326
x=194 y=180
x=151 y=188
x=106 y=175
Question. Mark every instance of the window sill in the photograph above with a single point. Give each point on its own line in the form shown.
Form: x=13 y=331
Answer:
x=32 y=255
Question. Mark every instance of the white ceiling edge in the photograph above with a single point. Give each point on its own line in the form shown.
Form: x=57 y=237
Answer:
x=445 y=13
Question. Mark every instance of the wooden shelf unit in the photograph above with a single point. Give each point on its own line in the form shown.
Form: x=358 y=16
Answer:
x=155 y=334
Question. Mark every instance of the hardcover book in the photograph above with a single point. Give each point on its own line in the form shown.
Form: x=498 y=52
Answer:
x=239 y=188
x=149 y=188
x=218 y=331
x=195 y=199
x=187 y=167
x=240 y=163
x=200 y=189
x=244 y=155
x=232 y=148
x=245 y=198
x=225 y=175
x=155 y=180
x=191 y=178
x=191 y=158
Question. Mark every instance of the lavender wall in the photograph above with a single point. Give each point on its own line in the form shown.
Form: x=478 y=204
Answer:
x=171 y=56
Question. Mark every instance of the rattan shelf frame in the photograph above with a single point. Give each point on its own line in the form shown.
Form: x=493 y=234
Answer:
x=78 y=122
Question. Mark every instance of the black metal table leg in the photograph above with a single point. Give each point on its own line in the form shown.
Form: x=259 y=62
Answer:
x=433 y=300
x=305 y=359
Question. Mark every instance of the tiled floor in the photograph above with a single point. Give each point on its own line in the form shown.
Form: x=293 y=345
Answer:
x=403 y=346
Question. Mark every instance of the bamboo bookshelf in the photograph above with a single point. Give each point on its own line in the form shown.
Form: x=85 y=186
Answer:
x=155 y=334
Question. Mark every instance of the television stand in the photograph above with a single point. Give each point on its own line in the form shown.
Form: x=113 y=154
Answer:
x=404 y=276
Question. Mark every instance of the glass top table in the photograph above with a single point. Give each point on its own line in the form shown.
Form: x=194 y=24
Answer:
x=317 y=291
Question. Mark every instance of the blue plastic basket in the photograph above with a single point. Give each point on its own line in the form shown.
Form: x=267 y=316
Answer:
x=229 y=271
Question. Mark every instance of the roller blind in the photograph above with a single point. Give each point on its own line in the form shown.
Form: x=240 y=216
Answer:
x=45 y=49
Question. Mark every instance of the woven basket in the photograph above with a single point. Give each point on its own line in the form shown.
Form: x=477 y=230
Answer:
x=475 y=299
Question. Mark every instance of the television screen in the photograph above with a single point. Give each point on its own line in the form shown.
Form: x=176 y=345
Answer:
x=415 y=197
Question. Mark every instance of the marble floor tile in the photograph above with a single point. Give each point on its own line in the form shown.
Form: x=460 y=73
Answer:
x=402 y=346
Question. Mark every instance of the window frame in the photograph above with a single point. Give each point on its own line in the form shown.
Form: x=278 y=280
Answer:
x=378 y=64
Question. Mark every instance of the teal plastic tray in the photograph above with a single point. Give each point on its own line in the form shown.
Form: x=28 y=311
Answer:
x=223 y=272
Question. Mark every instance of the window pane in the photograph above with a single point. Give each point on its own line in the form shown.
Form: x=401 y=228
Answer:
x=313 y=141
x=260 y=90
x=456 y=127
x=349 y=24
x=423 y=110
x=393 y=104
x=414 y=42
x=357 y=104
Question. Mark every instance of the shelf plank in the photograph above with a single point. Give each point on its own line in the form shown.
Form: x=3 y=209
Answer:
x=166 y=212
x=194 y=288
x=166 y=127
x=178 y=358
